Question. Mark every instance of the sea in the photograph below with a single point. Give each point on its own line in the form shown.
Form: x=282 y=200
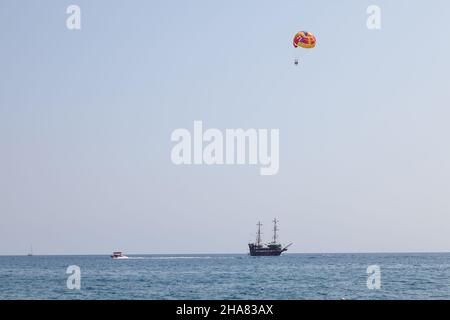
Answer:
x=228 y=276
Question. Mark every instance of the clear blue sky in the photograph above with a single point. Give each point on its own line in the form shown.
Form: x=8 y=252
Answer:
x=86 y=118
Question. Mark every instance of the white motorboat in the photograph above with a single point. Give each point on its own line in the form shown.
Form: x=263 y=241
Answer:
x=118 y=255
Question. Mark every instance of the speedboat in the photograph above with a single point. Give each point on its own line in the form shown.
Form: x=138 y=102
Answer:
x=118 y=255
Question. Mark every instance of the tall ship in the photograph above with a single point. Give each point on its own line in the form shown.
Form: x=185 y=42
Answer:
x=273 y=248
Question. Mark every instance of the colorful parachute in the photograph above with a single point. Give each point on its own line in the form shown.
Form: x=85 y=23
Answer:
x=304 y=39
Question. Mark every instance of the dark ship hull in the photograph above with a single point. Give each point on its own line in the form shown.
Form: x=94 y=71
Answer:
x=264 y=251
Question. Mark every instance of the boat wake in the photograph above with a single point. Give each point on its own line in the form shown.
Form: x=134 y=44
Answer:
x=166 y=258
x=176 y=257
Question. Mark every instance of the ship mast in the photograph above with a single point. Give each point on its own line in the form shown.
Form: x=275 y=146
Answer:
x=275 y=229
x=258 y=234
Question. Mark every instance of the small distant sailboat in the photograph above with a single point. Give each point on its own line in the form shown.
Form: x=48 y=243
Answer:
x=118 y=255
x=30 y=253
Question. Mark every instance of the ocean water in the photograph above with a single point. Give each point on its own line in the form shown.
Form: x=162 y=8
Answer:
x=290 y=276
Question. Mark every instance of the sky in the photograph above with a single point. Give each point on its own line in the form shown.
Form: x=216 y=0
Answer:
x=86 y=118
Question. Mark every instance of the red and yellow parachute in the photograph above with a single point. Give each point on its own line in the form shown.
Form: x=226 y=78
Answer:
x=304 y=39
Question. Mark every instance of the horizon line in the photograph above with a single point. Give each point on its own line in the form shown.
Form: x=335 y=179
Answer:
x=223 y=253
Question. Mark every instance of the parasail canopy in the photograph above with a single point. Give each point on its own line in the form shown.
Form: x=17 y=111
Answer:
x=304 y=39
